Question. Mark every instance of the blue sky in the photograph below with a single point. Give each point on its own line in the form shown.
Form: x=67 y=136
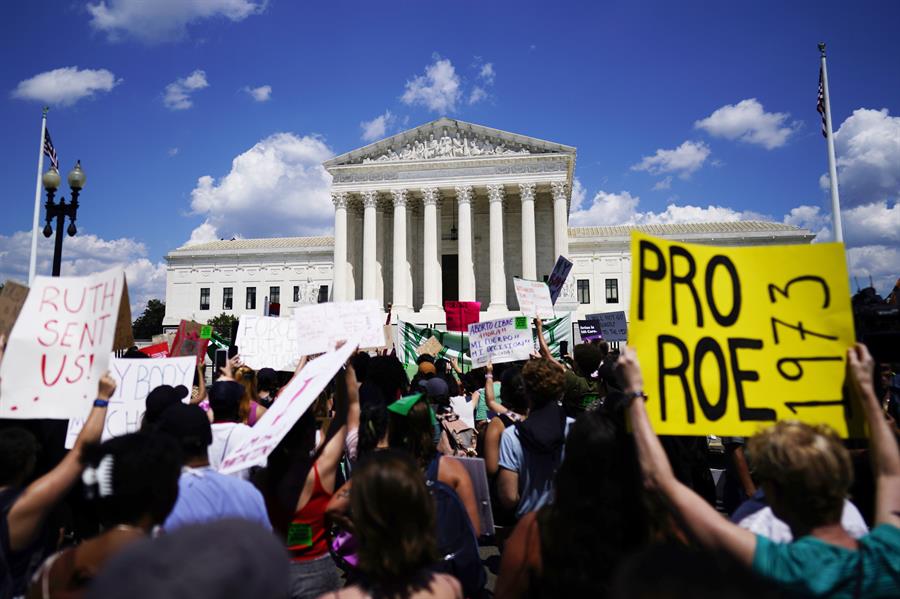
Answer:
x=202 y=119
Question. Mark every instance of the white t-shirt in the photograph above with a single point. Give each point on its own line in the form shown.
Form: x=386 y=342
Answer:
x=464 y=407
x=226 y=436
x=766 y=524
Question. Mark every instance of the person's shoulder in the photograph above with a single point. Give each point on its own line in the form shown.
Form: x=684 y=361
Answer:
x=882 y=535
x=445 y=586
x=351 y=592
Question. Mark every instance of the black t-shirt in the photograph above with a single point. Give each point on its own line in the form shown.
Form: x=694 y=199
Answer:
x=17 y=566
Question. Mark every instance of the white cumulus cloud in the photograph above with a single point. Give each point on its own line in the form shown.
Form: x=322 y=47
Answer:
x=158 y=20
x=663 y=184
x=276 y=188
x=438 y=89
x=261 y=93
x=477 y=95
x=748 y=121
x=377 y=127
x=487 y=73
x=65 y=86
x=178 y=93
x=881 y=262
x=683 y=160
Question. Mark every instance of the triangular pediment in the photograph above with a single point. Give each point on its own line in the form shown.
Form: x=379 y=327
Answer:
x=448 y=139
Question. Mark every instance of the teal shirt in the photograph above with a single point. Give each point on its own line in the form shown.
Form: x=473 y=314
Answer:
x=481 y=408
x=809 y=565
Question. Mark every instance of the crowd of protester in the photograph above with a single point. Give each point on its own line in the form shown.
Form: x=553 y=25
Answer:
x=395 y=486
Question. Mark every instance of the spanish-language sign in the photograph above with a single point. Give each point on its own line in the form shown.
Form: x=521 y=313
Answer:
x=12 y=298
x=732 y=339
x=612 y=325
x=188 y=342
x=558 y=277
x=432 y=347
x=292 y=402
x=135 y=379
x=268 y=342
x=321 y=326
x=534 y=298
x=589 y=330
x=461 y=314
x=60 y=346
x=501 y=340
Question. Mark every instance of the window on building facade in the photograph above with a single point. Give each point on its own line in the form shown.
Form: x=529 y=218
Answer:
x=251 y=298
x=612 y=291
x=584 y=291
x=323 y=294
x=274 y=295
x=296 y=293
x=204 y=298
x=227 y=295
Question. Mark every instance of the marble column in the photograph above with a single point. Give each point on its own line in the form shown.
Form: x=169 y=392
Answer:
x=466 y=266
x=369 y=198
x=529 y=247
x=560 y=219
x=401 y=263
x=498 y=273
x=431 y=299
x=339 y=286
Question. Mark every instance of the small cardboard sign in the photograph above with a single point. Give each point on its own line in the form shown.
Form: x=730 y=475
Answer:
x=188 y=342
x=124 y=337
x=432 y=347
x=558 y=277
x=534 y=298
x=590 y=330
x=12 y=298
x=206 y=332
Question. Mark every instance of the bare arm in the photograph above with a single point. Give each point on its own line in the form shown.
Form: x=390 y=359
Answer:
x=201 y=384
x=508 y=488
x=542 y=343
x=454 y=474
x=739 y=459
x=492 y=447
x=521 y=559
x=346 y=400
x=708 y=527
x=489 y=397
x=29 y=511
x=883 y=443
x=338 y=508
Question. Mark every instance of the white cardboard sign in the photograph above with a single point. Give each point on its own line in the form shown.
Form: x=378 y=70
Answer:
x=321 y=326
x=292 y=402
x=534 y=298
x=502 y=340
x=268 y=342
x=612 y=325
x=60 y=345
x=135 y=379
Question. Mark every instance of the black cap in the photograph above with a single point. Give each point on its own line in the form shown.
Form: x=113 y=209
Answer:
x=225 y=399
x=188 y=424
x=161 y=398
x=266 y=378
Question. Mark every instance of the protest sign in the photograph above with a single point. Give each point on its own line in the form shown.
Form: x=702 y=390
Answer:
x=461 y=314
x=558 y=277
x=534 y=298
x=733 y=339
x=268 y=341
x=60 y=345
x=188 y=342
x=589 y=330
x=124 y=337
x=432 y=347
x=158 y=350
x=135 y=379
x=502 y=340
x=612 y=325
x=321 y=326
x=12 y=298
x=292 y=402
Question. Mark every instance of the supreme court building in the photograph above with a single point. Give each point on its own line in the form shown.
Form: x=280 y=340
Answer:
x=448 y=210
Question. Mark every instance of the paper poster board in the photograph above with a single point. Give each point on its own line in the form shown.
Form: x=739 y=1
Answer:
x=321 y=326
x=432 y=347
x=460 y=315
x=589 y=330
x=268 y=341
x=292 y=402
x=188 y=342
x=501 y=340
x=135 y=379
x=60 y=346
x=732 y=339
x=12 y=298
x=534 y=298
x=124 y=337
x=558 y=277
x=612 y=325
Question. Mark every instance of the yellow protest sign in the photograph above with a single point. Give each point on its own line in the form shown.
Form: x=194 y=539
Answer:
x=731 y=339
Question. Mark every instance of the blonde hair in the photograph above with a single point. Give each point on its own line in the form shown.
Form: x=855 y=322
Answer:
x=246 y=377
x=808 y=465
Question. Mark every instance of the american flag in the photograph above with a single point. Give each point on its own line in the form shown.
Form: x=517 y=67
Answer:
x=50 y=151
x=820 y=104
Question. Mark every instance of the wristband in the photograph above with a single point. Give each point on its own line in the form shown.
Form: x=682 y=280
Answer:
x=101 y=403
x=489 y=375
x=632 y=395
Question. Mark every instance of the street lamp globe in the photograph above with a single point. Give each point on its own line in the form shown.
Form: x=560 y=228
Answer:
x=76 y=177
x=50 y=179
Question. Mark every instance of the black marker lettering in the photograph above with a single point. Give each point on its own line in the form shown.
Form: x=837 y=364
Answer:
x=644 y=273
x=680 y=371
x=686 y=279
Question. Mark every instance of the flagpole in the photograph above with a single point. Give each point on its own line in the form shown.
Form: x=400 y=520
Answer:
x=32 y=264
x=832 y=167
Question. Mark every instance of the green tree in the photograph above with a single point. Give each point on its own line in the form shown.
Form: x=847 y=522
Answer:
x=222 y=324
x=150 y=322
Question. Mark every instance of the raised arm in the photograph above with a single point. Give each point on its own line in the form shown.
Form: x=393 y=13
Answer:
x=346 y=400
x=201 y=384
x=706 y=525
x=542 y=343
x=31 y=508
x=490 y=397
x=882 y=442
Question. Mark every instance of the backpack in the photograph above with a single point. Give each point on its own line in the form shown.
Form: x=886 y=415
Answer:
x=457 y=437
x=456 y=540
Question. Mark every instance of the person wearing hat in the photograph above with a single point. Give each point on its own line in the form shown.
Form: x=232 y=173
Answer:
x=204 y=495
x=158 y=400
x=228 y=431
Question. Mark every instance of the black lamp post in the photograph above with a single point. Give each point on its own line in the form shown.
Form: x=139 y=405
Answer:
x=61 y=210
